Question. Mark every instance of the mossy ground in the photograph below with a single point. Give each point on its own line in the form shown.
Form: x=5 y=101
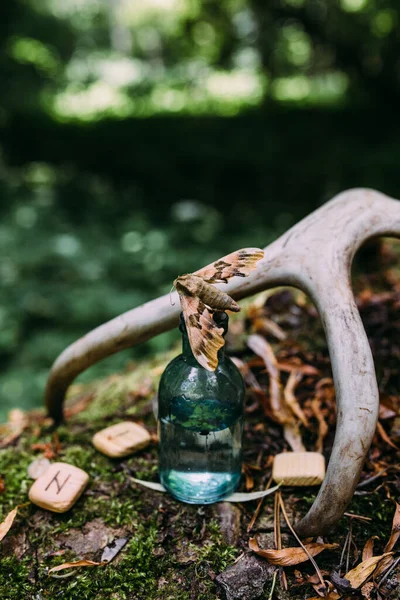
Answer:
x=172 y=547
x=174 y=550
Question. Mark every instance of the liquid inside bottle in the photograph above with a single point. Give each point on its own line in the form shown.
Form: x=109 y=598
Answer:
x=202 y=460
x=200 y=428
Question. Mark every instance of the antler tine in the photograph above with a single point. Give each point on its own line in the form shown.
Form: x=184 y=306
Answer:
x=315 y=255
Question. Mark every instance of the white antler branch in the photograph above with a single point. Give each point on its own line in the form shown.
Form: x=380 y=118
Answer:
x=315 y=255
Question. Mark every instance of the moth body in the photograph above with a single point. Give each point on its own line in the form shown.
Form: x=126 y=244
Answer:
x=199 y=298
x=193 y=285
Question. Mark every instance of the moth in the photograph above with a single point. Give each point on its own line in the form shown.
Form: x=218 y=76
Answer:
x=199 y=298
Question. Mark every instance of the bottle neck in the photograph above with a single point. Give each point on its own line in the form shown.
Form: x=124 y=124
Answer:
x=188 y=354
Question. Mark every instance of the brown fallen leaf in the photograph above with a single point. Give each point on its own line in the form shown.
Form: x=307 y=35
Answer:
x=322 y=424
x=10 y=431
x=248 y=478
x=368 y=550
x=5 y=526
x=394 y=536
x=291 y=400
x=290 y=556
x=395 y=533
x=279 y=408
x=361 y=572
x=78 y=563
x=261 y=347
x=302 y=368
x=380 y=429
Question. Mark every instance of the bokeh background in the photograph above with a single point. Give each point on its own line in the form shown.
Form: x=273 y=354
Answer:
x=141 y=139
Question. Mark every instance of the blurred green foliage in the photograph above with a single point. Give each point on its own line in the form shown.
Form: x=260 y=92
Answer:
x=141 y=140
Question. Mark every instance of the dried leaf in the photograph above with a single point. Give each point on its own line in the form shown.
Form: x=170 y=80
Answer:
x=361 y=572
x=281 y=412
x=17 y=421
x=384 y=435
x=5 y=526
x=322 y=424
x=368 y=550
x=78 y=563
x=384 y=565
x=290 y=556
x=302 y=368
x=261 y=347
x=394 y=536
x=291 y=400
x=249 y=481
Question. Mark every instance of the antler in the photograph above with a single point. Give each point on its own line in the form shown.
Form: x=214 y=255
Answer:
x=316 y=256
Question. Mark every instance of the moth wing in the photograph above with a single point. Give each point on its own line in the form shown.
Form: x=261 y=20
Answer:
x=205 y=337
x=236 y=264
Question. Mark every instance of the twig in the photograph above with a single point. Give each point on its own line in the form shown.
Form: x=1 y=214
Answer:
x=349 y=545
x=390 y=569
x=343 y=551
x=277 y=528
x=278 y=538
x=361 y=517
x=257 y=511
x=371 y=479
x=300 y=542
x=273 y=585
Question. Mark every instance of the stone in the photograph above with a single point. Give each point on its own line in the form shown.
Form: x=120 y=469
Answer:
x=59 y=487
x=121 y=439
x=245 y=580
x=299 y=468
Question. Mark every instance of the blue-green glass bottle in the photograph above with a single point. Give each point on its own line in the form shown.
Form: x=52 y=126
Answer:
x=200 y=425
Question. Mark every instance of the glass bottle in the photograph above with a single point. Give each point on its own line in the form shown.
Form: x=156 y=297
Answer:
x=200 y=416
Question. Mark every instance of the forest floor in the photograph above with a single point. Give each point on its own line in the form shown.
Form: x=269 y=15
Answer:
x=170 y=550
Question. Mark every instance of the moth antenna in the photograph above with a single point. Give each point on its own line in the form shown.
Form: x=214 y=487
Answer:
x=170 y=296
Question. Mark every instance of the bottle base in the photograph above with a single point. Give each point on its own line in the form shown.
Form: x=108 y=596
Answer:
x=199 y=488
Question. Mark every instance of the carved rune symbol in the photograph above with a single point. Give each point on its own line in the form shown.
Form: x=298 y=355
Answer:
x=55 y=480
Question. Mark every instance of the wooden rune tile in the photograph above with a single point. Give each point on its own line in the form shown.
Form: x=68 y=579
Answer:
x=59 y=487
x=121 y=439
x=299 y=468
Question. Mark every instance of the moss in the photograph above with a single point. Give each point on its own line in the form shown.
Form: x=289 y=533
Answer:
x=13 y=467
x=195 y=580
x=124 y=392
x=15 y=580
x=132 y=576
